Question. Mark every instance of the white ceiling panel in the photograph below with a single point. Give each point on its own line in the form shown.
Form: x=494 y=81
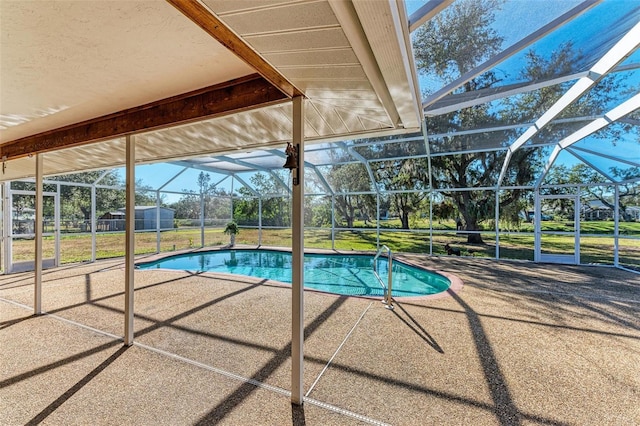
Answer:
x=351 y=121
x=88 y=157
x=65 y=62
x=337 y=96
x=338 y=56
x=331 y=73
x=317 y=122
x=324 y=38
x=290 y=17
x=226 y=6
x=19 y=168
x=329 y=114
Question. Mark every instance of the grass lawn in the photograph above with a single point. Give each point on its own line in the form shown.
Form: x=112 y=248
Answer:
x=593 y=249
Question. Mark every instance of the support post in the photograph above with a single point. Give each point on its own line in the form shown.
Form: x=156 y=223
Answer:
x=427 y=148
x=7 y=223
x=130 y=219
x=158 y=218
x=201 y=219
x=333 y=222
x=576 y=226
x=389 y=301
x=260 y=221
x=94 y=223
x=537 y=243
x=297 y=247
x=497 y=222
x=616 y=227
x=377 y=220
x=56 y=226
x=37 y=300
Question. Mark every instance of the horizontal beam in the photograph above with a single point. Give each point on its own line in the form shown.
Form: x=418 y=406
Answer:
x=459 y=101
x=427 y=12
x=222 y=99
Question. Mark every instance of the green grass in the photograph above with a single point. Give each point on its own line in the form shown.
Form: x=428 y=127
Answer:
x=77 y=247
x=586 y=227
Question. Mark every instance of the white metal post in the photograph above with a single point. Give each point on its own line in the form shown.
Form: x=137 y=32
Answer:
x=37 y=302
x=576 y=227
x=536 y=226
x=427 y=148
x=158 y=221
x=259 y=221
x=94 y=222
x=616 y=227
x=389 y=300
x=3 y=226
x=333 y=222
x=8 y=227
x=201 y=219
x=297 y=247
x=431 y=195
x=377 y=220
x=233 y=179
x=497 y=223
x=56 y=226
x=130 y=218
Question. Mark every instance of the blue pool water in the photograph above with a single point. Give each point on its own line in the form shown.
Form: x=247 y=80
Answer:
x=346 y=274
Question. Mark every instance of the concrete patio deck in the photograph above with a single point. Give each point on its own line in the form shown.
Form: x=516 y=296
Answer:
x=520 y=344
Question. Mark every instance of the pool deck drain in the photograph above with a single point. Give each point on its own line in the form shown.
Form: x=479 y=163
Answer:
x=521 y=343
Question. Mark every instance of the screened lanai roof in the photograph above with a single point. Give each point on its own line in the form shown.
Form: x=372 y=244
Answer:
x=353 y=61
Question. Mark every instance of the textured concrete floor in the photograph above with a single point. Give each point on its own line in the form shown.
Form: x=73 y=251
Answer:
x=520 y=344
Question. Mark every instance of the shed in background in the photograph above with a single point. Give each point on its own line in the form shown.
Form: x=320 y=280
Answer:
x=146 y=217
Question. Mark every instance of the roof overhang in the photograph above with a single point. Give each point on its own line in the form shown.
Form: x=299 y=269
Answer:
x=195 y=78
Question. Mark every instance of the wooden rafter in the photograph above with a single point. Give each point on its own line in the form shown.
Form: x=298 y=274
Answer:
x=213 y=26
x=222 y=99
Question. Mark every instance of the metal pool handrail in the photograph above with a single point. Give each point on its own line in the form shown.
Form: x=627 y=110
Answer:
x=387 y=300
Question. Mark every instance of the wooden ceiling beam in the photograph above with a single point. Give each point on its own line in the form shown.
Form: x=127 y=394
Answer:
x=217 y=29
x=222 y=99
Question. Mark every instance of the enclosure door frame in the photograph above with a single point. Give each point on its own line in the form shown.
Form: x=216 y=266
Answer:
x=29 y=265
x=539 y=256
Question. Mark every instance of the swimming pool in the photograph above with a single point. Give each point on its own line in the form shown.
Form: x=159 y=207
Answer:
x=345 y=274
